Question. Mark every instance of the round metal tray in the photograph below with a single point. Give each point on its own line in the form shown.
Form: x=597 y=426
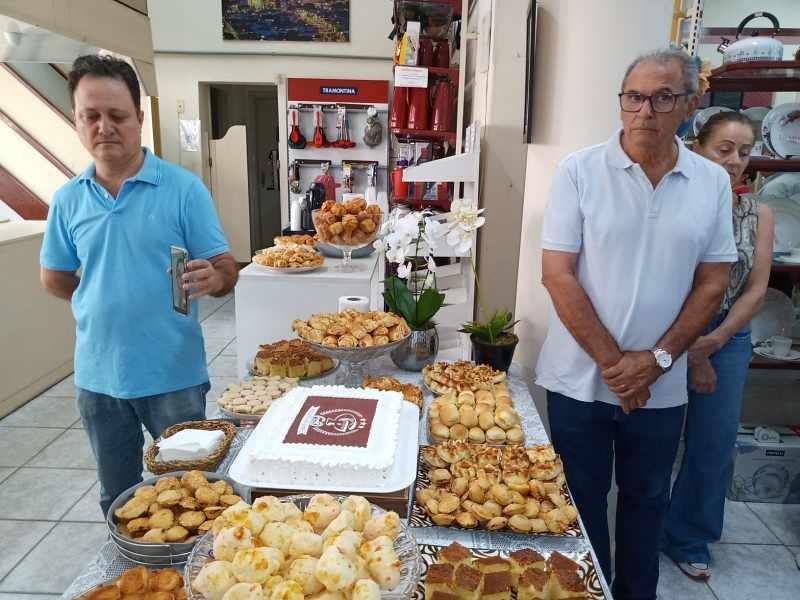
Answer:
x=151 y=553
x=405 y=545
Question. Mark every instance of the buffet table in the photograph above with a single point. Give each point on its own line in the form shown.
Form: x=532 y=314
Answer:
x=289 y=295
x=109 y=563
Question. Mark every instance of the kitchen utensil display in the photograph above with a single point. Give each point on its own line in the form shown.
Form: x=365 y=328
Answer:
x=775 y=317
x=306 y=223
x=441 y=56
x=371 y=192
x=780 y=130
x=442 y=119
x=319 y=141
x=373 y=131
x=398 y=118
x=702 y=116
x=418 y=109
x=758 y=47
x=399 y=187
x=296 y=139
x=295 y=212
x=425 y=55
x=343 y=126
x=347 y=177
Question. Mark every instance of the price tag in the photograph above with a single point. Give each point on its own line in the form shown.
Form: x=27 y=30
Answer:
x=415 y=77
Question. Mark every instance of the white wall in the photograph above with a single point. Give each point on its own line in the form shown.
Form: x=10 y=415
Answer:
x=38 y=330
x=196 y=26
x=189 y=51
x=582 y=52
x=26 y=164
x=8 y=213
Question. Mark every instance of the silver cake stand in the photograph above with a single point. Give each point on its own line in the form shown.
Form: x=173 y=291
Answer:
x=353 y=361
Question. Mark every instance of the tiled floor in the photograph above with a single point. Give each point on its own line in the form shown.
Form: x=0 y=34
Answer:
x=51 y=526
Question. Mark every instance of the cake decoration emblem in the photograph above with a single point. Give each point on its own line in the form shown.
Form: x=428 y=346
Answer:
x=335 y=421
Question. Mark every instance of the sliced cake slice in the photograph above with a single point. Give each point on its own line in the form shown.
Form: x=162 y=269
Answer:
x=438 y=579
x=497 y=585
x=467 y=582
x=455 y=554
x=533 y=585
x=524 y=559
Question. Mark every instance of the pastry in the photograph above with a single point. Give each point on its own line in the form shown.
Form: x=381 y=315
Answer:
x=289 y=256
x=411 y=393
x=443 y=377
x=349 y=223
x=214 y=579
x=347 y=328
x=288 y=240
x=532 y=585
x=274 y=359
x=492 y=564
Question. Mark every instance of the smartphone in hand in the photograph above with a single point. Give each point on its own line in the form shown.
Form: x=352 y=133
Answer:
x=180 y=297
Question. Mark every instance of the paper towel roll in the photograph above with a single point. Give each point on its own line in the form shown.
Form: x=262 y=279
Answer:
x=359 y=303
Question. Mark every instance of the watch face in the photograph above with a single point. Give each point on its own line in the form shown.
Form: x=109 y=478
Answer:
x=664 y=360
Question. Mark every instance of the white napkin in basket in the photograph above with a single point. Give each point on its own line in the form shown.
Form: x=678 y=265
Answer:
x=189 y=444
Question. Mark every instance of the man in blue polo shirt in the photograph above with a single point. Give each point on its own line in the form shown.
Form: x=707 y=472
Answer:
x=137 y=361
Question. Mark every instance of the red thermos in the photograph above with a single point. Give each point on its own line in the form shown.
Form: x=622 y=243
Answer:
x=418 y=109
x=441 y=56
x=425 y=53
x=399 y=114
x=442 y=107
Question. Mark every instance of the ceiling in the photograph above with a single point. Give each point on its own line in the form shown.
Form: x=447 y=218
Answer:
x=23 y=42
x=138 y=5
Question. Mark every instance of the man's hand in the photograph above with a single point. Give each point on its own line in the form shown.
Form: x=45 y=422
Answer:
x=703 y=377
x=634 y=373
x=201 y=278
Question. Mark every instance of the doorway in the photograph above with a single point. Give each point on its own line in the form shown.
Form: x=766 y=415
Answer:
x=253 y=221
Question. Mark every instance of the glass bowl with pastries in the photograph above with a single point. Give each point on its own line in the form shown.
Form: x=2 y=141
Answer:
x=292 y=358
x=319 y=546
x=140 y=582
x=354 y=338
x=347 y=226
x=411 y=393
x=291 y=258
x=158 y=521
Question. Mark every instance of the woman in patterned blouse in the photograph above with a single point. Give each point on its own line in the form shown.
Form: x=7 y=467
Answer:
x=718 y=361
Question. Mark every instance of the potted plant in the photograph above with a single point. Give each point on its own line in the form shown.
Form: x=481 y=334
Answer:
x=493 y=341
x=410 y=242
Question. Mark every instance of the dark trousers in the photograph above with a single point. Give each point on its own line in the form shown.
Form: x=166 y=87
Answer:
x=594 y=437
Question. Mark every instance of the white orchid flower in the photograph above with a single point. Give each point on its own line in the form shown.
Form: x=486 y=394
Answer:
x=465 y=215
x=404 y=271
x=432 y=266
x=379 y=245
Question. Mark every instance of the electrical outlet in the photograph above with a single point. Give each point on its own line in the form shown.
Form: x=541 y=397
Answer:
x=181 y=107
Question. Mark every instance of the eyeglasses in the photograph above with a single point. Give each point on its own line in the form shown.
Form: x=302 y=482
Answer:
x=661 y=102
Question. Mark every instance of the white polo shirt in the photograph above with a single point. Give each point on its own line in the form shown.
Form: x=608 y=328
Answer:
x=638 y=249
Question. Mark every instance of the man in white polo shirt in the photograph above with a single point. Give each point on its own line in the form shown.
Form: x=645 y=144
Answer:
x=637 y=244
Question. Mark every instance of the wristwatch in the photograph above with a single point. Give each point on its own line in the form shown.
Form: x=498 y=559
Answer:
x=663 y=359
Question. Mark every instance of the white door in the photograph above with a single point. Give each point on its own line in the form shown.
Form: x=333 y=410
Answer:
x=229 y=186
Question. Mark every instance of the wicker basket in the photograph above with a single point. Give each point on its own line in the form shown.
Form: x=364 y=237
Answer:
x=206 y=464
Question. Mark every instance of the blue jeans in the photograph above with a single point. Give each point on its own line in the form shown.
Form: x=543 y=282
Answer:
x=594 y=437
x=697 y=506
x=114 y=427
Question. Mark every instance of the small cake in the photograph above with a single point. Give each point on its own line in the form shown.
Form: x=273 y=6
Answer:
x=559 y=562
x=443 y=596
x=438 y=579
x=280 y=358
x=532 y=585
x=566 y=585
x=521 y=560
x=467 y=582
x=497 y=585
x=455 y=554
x=493 y=564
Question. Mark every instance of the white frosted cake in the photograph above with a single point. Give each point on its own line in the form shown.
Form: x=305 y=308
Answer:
x=328 y=435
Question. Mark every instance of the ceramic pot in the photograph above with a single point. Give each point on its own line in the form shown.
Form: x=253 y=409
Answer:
x=497 y=356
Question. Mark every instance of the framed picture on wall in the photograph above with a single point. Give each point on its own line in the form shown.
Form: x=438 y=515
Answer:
x=286 y=20
x=530 y=53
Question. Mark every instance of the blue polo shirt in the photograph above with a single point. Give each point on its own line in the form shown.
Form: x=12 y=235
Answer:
x=130 y=342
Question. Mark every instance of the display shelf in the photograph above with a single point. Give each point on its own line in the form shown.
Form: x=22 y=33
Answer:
x=426 y=134
x=457 y=168
x=779 y=267
x=758 y=75
x=450 y=72
x=758 y=163
x=762 y=362
x=454 y=4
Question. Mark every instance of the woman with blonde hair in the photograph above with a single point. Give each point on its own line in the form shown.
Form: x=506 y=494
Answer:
x=719 y=360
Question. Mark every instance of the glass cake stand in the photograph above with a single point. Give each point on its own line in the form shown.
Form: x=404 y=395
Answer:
x=346 y=249
x=353 y=361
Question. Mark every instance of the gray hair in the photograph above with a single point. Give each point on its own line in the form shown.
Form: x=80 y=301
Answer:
x=663 y=56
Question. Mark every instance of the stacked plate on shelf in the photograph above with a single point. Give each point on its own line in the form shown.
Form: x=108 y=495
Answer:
x=780 y=130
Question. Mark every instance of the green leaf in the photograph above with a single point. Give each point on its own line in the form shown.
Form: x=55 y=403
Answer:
x=429 y=303
x=402 y=298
